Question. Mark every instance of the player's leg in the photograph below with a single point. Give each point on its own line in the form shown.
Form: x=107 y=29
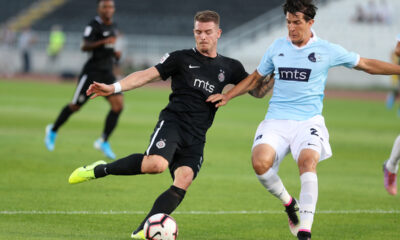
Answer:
x=116 y=101
x=169 y=200
x=309 y=146
x=78 y=100
x=269 y=149
x=184 y=169
x=134 y=164
x=307 y=164
x=155 y=160
x=391 y=167
x=263 y=157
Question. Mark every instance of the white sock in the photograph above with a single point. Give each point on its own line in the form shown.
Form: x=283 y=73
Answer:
x=272 y=182
x=393 y=163
x=308 y=200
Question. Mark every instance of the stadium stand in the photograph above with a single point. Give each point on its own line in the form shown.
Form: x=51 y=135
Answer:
x=157 y=17
x=12 y=8
x=31 y=12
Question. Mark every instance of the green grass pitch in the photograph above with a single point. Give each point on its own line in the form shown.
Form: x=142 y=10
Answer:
x=226 y=201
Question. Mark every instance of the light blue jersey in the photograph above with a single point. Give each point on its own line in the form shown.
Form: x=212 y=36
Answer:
x=398 y=37
x=300 y=76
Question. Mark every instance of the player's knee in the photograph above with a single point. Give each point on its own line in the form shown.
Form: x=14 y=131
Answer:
x=261 y=161
x=183 y=177
x=261 y=164
x=117 y=107
x=74 y=107
x=157 y=164
x=308 y=161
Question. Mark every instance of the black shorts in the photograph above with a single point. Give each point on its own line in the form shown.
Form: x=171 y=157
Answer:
x=177 y=146
x=87 y=78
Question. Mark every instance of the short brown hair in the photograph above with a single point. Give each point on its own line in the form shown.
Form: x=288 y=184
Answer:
x=307 y=7
x=207 y=16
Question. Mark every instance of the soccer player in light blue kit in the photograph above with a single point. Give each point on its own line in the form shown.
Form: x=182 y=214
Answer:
x=300 y=63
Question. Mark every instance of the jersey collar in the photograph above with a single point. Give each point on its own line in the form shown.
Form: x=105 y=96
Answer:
x=199 y=54
x=313 y=39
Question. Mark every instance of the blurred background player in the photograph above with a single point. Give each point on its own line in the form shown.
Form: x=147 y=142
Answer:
x=391 y=167
x=179 y=137
x=56 y=42
x=99 y=39
x=27 y=38
x=395 y=93
x=294 y=121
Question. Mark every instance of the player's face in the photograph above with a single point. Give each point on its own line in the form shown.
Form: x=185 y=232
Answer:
x=206 y=35
x=106 y=9
x=299 y=29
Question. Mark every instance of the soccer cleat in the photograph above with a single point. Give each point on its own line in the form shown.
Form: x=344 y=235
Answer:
x=84 y=173
x=105 y=147
x=390 y=180
x=50 y=137
x=138 y=235
x=293 y=217
x=304 y=235
x=390 y=100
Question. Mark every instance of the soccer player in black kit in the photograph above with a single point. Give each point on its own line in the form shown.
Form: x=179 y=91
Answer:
x=178 y=139
x=99 y=40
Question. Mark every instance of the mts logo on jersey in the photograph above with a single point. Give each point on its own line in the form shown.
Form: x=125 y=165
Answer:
x=204 y=85
x=294 y=74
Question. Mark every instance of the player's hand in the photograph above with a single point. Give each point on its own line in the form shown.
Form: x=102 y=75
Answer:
x=99 y=89
x=220 y=99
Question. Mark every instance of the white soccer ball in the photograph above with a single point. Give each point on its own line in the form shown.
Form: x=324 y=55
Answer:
x=160 y=226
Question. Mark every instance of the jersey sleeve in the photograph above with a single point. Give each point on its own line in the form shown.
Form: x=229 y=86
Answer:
x=169 y=65
x=398 y=37
x=342 y=57
x=89 y=34
x=239 y=74
x=266 y=65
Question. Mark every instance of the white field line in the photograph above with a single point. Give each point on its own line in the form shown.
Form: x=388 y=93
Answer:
x=111 y=212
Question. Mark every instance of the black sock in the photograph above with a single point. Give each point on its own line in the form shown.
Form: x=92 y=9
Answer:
x=130 y=165
x=167 y=202
x=62 y=118
x=303 y=235
x=111 y=122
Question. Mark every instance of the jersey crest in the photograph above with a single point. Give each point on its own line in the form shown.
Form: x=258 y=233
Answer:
x=221 y=75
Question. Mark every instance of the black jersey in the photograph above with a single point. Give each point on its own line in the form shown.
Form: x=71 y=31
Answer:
x=194 y=78
x=101 y=58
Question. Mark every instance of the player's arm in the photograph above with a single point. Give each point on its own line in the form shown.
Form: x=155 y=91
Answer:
x=263 y=87
x=132 y=81
x=373 y=66
x=244 y=86
x=89 y=46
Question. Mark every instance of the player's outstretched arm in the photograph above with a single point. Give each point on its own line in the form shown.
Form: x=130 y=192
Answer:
x=246 y=85
x=132 y=81
x=373 y=66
